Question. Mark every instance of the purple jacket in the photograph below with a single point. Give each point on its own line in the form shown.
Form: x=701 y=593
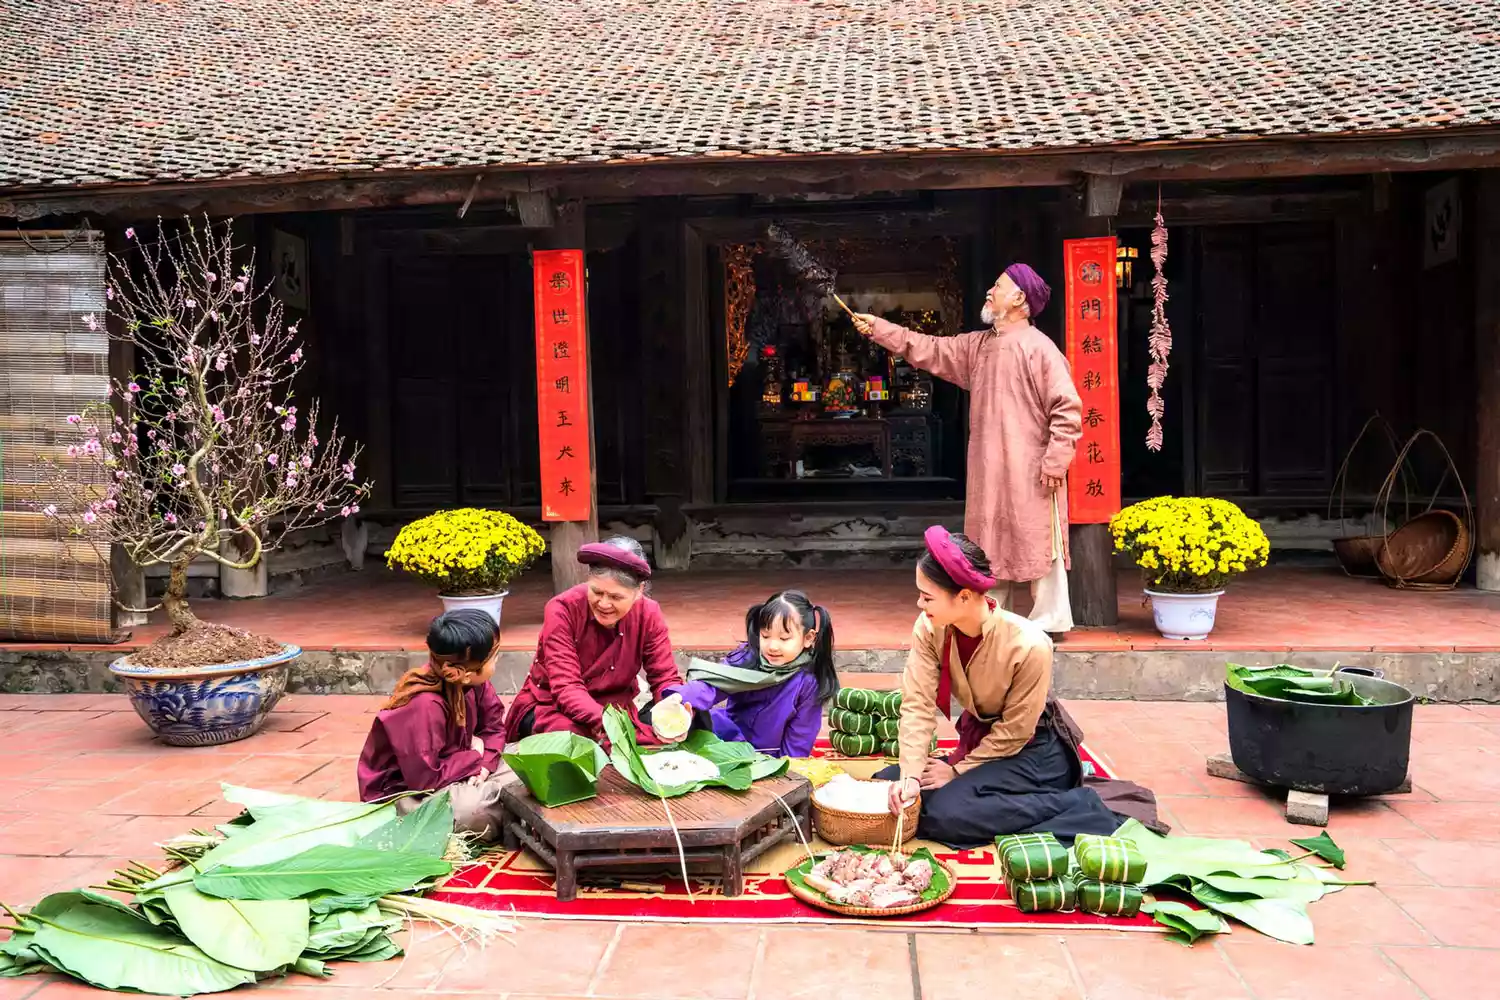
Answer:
x=782 y=721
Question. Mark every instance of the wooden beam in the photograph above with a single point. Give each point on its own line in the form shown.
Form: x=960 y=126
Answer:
x=1102 y=195
x=568 y=536
x=1228 y=209
x=536 y=209
x=1228 y=159
x=1487 y=359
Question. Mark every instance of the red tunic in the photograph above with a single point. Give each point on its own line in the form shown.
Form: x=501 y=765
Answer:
x=413 y=748
x=581 y=666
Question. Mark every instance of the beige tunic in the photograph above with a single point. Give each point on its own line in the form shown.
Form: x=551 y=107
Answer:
x=1025 y=418
x=1005 y=684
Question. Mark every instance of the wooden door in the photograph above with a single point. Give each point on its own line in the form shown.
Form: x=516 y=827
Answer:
x=424 y=374
x=1226 y=383
x=1294 y=334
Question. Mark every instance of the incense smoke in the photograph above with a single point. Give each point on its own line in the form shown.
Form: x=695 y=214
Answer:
x=803 y=264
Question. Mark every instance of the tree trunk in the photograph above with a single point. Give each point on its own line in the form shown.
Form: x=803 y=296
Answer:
x=175 y=601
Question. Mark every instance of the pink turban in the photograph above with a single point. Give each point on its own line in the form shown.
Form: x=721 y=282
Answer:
x=1031 y=285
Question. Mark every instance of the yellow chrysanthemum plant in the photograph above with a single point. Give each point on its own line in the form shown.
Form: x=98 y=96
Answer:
x=1189 y=545
x=466 y=552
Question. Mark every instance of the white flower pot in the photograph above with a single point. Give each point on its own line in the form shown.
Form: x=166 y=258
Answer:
x=488 y=603
x=1184 y=616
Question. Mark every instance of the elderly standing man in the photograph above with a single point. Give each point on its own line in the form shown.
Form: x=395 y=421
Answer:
x=1024 y=423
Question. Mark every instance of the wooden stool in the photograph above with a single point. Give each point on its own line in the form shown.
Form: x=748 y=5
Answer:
x=624 y=827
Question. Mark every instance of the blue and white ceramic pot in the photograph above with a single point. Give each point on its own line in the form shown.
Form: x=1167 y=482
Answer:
x=210 y=705
x=1184 y=616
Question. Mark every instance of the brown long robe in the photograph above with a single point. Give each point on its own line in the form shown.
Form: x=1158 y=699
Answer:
x=1025 y=419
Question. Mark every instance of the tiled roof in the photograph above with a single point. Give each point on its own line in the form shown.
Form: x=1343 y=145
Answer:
x=103 y=91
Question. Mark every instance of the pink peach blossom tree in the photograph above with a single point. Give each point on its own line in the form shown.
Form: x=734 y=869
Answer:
x=203 y=452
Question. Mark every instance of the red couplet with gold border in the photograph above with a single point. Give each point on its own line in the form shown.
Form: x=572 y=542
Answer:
x=1093 y=353
x=562 y=386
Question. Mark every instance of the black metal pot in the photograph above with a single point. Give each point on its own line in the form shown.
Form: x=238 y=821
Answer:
x=1333 y=749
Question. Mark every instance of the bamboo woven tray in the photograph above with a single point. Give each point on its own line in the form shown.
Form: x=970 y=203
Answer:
x=814 y=898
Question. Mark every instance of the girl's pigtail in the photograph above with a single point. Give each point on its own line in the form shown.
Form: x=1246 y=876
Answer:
x=822 y=655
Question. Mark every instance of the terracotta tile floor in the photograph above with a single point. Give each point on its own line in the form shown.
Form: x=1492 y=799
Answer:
x=1284 y=607
x=82 y=787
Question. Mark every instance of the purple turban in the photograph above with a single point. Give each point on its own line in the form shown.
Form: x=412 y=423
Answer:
x=1037 y=292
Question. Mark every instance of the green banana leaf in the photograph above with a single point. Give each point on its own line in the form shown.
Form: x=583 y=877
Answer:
x=1234 y=879
x=311 y=967
x=558 y=768
x=425 y=830
x=255 y=934
x=1323 y=846
x=1291 y=683
x=332 y=902
x=25 y=964
x=325 y=868
x=349 y=931
x=114 y=949
x=380 y=951
x=739 y=764
x=292 y=829
x=1186 y=923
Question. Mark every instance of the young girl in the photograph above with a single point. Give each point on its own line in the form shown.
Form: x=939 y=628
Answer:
x=444 y=726
x=775 y=685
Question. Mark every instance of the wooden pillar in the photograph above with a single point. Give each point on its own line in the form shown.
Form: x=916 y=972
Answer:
x=566 y=537
x=1487 y=361
x=1091 y=581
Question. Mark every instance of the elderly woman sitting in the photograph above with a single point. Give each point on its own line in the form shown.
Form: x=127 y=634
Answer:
x=596 y=639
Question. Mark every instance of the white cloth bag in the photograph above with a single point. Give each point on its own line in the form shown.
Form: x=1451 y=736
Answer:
x=1050 y=607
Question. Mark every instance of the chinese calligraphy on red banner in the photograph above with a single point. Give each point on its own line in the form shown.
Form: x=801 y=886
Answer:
x=1093 y=353
x=562 y=388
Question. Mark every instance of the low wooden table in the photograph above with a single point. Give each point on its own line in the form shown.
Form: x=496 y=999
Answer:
x=623 y=827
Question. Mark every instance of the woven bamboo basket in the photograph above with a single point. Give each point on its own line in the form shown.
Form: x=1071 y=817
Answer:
x=844 y=828
x=813 y=898
x=1356 y=553
x=1431 y=550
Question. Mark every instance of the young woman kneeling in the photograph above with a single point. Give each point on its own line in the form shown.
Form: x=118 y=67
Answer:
x=1016 y=769
x=444 y=727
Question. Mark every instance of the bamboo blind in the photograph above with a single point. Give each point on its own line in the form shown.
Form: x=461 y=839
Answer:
x=51 y=365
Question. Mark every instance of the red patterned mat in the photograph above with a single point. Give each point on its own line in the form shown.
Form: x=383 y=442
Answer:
x=518 y=881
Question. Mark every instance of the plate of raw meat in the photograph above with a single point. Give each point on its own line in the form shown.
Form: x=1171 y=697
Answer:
x=871 y=881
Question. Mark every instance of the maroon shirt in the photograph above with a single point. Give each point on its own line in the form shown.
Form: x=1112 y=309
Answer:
x=415 y=748
x=581 y=666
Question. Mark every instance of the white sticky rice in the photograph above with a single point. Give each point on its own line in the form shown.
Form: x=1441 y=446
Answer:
x=849 y=794
x=678 y=767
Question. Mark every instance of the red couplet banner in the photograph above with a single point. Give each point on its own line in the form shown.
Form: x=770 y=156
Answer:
x=562 y=386
x=1093 y=353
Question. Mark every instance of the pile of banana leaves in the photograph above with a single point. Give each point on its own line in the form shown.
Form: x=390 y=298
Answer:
x=739 y=764
x=1267 y=890
x=289 y=886
x=1291 y=683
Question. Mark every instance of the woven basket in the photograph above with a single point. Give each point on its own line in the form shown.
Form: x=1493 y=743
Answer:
x=844 y=828
x=817 y=899
x=1429 y=551
x=1356 y=553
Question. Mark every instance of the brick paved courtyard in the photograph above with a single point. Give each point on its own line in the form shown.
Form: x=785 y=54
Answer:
x=82 y=788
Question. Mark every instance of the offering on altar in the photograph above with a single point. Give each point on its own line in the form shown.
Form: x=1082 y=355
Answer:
x=842 y=393
x=805 y=391
x=876 y=390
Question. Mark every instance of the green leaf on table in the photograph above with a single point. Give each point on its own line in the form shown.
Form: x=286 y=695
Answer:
x=326 y=868
x=114 y=950
x=1187 y=923
x=25 y=963
x=1276 y=852
x=255 y=934
x=739 y=764
x=1323 y=846
x=424 y=830
x=558 y=768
